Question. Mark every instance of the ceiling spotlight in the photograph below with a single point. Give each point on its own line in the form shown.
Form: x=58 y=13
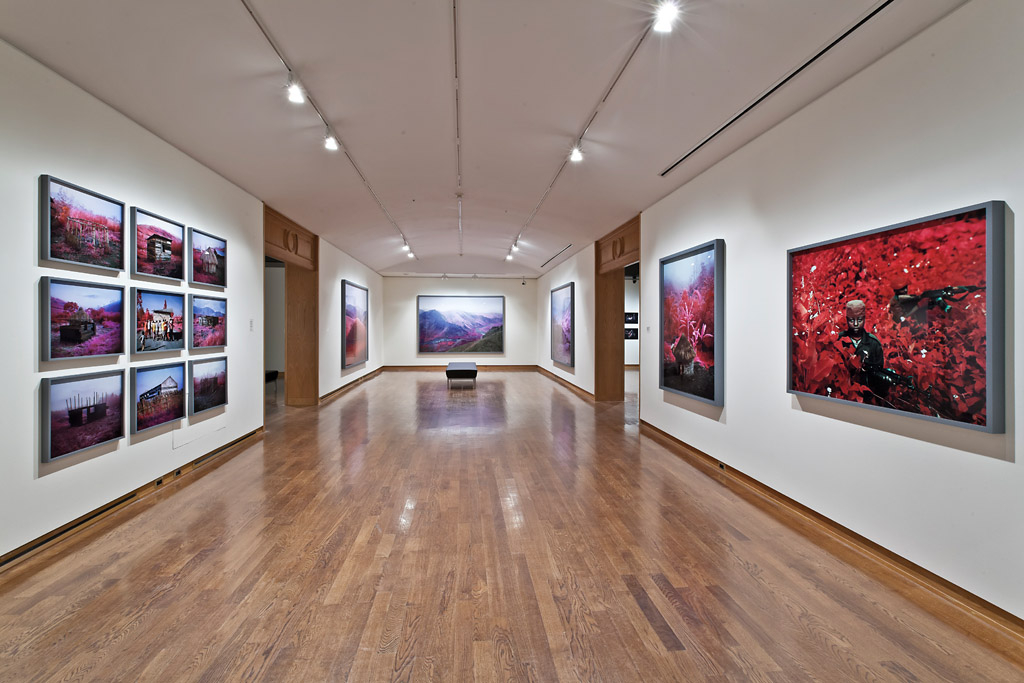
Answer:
x=666 y=16
x=515 y=246
x=295 y=93
x=330 y=142
x=411 y=255
x=509 y=257
x=405 y=246
x=576 y=154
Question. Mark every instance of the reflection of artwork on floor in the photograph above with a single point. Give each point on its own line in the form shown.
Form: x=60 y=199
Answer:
x=461 y=324
x=691 y=315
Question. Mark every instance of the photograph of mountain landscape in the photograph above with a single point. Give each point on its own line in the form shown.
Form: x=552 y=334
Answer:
x=562 y=327
x=355 y=302
x=85 y=411
x=159 y=246
x=209 y=259
x=209 y=321
x=82 y=319
x=81 y=226
x=209 y=384
x=461 y=324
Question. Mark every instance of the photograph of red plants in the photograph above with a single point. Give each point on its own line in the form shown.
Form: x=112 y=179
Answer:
x=209 y=259
x=900 y=318
x=563 y=349
x=209 y=321
x=209 y=384
x=85 y=411
x=354 y=307
x=159 y=245
x=159 y=393
x=691 y=322
x=83 y=319
x=81 y=226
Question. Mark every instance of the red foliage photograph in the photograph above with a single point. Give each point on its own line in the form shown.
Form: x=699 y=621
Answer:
x=355 y=304
x=209 y=322
x=84 y=227
x=85 y=411
x=209 y=259
x=159 y=245
x=85 y=319
x=899 y=318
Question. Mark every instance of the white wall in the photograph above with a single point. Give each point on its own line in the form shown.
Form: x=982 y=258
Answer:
x=931 y=127
x=49 y=126
x=632 y=295
x=401 y=329
x=580 y=270
x=274 y=318
x=335 y=266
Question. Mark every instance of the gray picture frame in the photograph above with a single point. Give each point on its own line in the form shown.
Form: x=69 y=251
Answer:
x=45 y=318
x=45 y=392
x=135 y=212
x=191 y=321
x=133 y=329
x=191 y=261
x=572 y=324
x=192 y=386
x=134 y=391
x=345 y=364
x=46 y=185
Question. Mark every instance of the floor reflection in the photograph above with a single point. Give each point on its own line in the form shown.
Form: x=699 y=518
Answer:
x=480 y=410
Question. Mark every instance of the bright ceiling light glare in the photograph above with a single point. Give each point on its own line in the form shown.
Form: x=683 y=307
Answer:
x=576 y=154
x=509 y=257
x=295 y=93
x=405 y=247
x=330 y=143
x=411 y=255
x=515 y=247
x=665 y=17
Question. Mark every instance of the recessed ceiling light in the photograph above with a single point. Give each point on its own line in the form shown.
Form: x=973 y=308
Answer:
x=666 y=16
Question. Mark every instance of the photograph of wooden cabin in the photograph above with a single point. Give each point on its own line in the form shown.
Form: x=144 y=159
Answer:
x=209 y=259
x=158 y=395
x=82 y=319
x=81 y=226
x=209 y=321
x=159 y=320
x=159 y=246
x=85 y=411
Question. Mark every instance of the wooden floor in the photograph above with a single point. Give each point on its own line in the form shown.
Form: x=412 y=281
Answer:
x=405 y=531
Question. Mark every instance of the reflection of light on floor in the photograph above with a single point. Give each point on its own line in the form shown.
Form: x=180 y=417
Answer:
x=510 y=506
x=405 y=521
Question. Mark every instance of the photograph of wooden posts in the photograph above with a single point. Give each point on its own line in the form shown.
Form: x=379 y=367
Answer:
x=159 y=320
x=159 y=393
x=355 y=304
x=81 y=319
x=80 y=412
x=159 y=246
x=209 y=380
x=563 y=326
x=209 y=259
x=80 y=226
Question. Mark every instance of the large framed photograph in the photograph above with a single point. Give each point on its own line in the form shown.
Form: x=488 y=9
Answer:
x=209 y=381
x=355 y=304
x=81 y=411
x=461 y=324
x=80 y=226
x=81 y=319
x=209 y=259
x=159 y=246
x=563 y=324
x=692 y=288
x=209 y=321
x=159 y=321
x=906 y=318
x=159 y=394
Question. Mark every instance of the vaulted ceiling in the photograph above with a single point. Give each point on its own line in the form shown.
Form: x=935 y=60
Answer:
x=531 y=73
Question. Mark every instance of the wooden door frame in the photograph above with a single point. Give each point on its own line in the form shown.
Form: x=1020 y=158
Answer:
x=612 y=253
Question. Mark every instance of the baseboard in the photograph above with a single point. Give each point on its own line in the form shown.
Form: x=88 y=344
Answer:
x=75 y=526
x=582 y=393
x=989 y=623
x=351 y=385
x=441 y=368
x=632 y=367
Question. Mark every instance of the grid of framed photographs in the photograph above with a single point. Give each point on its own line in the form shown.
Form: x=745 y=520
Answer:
x=87 y=319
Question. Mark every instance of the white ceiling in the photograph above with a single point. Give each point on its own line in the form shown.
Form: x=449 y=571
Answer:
x=199 y=74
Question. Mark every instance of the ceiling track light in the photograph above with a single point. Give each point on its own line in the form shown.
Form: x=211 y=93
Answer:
x=508 y=257
x=666 y=16
x=405 y=246
x=295 y=94
x=411 y=255
x=330 y=142
x=576 y=155
x=515 y=246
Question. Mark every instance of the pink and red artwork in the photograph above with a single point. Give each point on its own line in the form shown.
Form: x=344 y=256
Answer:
x=461 y=324
x=209 y=384
x=209 y=259
x=209 y=321
x=562 y=324
x=82 y=319
x=81 y=226
x=159 y=245
x=903 y=318
x=355 y=306
x=84 y=411
x=159 y=393
x=692 y=341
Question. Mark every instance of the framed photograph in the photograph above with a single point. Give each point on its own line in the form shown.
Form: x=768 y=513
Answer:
x=632 y=333
x=209 y=259
x=209 y=321
x=84 y=411
x=159 y=246
x=159 y=394
x=907 y=318
x=692 y=288
x=632 y=318
x=563 y=324
x=355 y=304
x=80 y=226
x=209 y=381
x=461 y=324
x=81 y=319
x=159 y=321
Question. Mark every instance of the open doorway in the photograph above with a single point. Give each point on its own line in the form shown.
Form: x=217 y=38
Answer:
x=631 y=334
x=273 y=332
x=614 y=251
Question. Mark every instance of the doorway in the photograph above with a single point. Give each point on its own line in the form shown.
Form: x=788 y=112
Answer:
x=613 y=253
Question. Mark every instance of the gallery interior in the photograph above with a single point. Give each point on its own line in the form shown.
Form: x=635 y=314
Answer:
x=738 y=281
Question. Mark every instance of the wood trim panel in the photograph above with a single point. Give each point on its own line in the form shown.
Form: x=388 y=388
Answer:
x=302 y=336
x=609 y=342
x=619 y=248
x=582 y=393
x=974 y=615
x=287 y=241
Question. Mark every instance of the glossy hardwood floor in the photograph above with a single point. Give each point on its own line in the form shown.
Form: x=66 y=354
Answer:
x=405 y=531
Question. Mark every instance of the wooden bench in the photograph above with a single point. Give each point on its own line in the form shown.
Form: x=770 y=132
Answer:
x=461 y=371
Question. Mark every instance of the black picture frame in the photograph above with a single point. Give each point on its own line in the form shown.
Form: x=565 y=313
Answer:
x=349 y=294
x=632 y=332
x=220 y=272
x=171 y=340
x=929 y=245
x=201 y=402
x=557 y=330
x=81 y=410
x=81 y=331
x=54 y=225
x=688 y=373
x=483 y=342
x=151 y=373
x=194 y=328
x=157 y=250
x=632 y=318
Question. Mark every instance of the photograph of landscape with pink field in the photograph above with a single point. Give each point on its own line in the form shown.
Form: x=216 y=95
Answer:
x=209 y=384
x=159 y=245
x=85 y=411
x=83 y=319
x=209 y=259
x=209 y=322
x=82 y=226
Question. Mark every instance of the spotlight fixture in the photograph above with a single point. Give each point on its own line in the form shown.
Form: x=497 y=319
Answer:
x=411 y=255
x=515 y=246
x=509 y=256
x=330 y=142
x=405 y=246
x=295 y=93
x=666 y=16
x=576 y=154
